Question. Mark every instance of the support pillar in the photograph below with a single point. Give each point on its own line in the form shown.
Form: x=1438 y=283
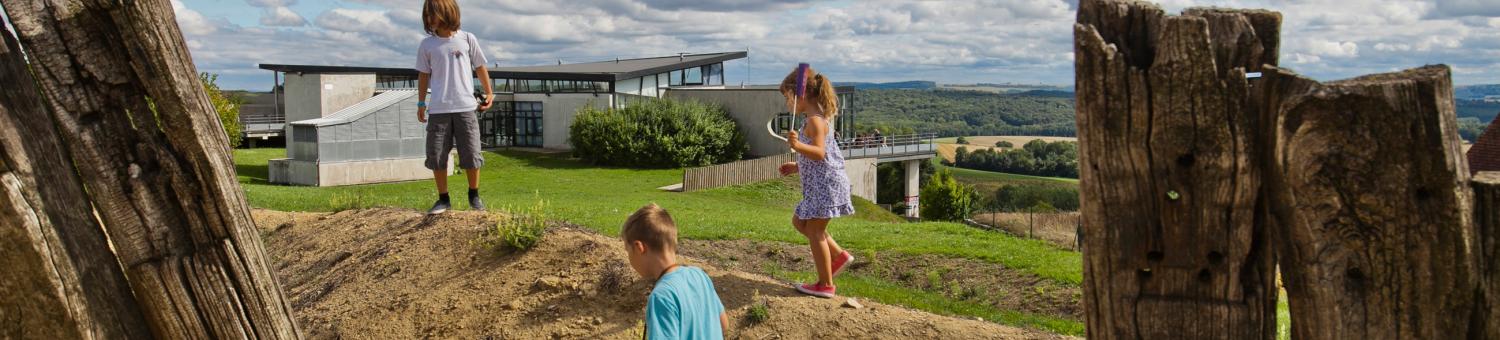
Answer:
x=913 y=187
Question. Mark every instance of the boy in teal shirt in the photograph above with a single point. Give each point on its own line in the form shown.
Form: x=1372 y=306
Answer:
x=683 y=304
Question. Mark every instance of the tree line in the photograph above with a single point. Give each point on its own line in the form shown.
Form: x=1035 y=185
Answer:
x=965 y=113
x=1036 y=158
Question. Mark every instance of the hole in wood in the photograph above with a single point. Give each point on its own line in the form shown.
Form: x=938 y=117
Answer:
x=1186 y=160
x=1154 y=256
x=1354 y=280
x=1423 y=194
x=1205 y=276
x=1144 y=273
x=1215 y=258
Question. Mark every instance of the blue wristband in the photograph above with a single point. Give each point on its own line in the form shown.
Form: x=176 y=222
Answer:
x=421 y=104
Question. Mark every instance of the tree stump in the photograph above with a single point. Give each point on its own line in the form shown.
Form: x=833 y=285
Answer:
x=1370 y=195
x=155 y=162
x=1170 y=172
x=60 y=279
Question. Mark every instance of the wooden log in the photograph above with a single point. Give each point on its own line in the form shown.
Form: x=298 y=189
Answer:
x=1170 y=173
x=1486 y=320
x=60 y=280
x=127 y=101
x=1370 y=197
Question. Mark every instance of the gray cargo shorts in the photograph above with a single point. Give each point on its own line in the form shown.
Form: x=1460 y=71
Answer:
x=447 y=130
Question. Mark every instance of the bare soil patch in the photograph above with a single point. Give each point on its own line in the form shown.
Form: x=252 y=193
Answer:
x=397 y=274
x=962 y=279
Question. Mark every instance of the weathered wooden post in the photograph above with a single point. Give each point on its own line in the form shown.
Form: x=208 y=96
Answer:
x=1170 y=175
x=134 y=119
x=1486 y=187
x=60 y=279
x=1370 y=197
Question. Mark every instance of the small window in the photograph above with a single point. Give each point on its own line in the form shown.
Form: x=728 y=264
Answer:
x=675 y=77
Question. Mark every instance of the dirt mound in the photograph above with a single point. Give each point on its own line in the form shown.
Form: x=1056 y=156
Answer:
x=387 y=273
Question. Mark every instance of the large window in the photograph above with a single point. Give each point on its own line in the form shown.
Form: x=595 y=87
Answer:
x=511 y=123
x=714 y=74
x=692 y=76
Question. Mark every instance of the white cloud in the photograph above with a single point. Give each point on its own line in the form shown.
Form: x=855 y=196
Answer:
x=191 y=22
x=865 y=40
x=282 y=16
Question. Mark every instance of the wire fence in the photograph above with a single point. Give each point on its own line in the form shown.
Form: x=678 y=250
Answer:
x=1059 y=228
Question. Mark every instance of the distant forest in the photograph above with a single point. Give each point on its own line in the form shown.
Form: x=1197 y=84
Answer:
x=966 y=113
x=1036 y=113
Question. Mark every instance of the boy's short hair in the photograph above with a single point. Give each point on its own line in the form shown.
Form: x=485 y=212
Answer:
x=440 y=14
x=653 y=226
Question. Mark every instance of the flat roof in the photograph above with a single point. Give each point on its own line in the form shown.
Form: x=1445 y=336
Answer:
x=609 y=70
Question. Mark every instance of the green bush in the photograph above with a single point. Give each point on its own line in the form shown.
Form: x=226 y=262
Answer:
x=227 y=105
x=1004 y=144
x=1024 y=196
x=657 y=133
x=945 y=199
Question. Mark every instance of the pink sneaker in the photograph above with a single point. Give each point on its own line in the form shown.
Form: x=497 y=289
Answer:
x=818 y=290
x=840 y=261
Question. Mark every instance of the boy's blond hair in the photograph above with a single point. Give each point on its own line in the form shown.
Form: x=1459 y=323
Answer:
x=653 y=226
x=440 y=14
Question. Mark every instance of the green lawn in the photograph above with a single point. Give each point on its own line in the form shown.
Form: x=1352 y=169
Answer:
x=600 y=198
x=935 y=302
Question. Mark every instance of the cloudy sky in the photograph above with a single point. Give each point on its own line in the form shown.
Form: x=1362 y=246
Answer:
x=959 y=41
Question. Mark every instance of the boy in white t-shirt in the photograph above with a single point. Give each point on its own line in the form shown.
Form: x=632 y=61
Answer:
x=448 y=60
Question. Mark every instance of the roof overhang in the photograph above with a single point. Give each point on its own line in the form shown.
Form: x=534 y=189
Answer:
x=527 y=73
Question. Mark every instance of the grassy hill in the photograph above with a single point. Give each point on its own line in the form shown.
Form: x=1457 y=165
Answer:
x=600 y=198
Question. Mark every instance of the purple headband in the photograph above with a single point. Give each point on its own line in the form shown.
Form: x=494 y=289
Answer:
x=802 y=79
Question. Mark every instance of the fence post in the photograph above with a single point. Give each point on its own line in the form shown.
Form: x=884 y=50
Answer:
x=1169 y=172
x=1487 y=222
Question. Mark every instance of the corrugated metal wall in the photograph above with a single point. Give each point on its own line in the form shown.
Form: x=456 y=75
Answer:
x=391 y=132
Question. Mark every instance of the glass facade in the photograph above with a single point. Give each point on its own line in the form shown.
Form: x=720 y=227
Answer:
x=511 y=123
x=845 y=121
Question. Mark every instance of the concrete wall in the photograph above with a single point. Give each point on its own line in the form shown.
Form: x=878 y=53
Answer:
x=342 y=90
x=863 y=177
x=751 y=110
x=297 y=172
x=558 y=110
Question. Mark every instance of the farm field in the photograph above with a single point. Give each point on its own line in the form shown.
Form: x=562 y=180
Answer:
x=948 y=146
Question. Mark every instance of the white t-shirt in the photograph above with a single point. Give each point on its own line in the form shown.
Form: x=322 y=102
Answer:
x=451 y=61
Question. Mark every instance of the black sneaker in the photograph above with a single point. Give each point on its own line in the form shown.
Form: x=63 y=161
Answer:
x=475 y=203
x=440 y=207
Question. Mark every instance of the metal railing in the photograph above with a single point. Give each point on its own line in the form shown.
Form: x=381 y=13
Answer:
x=888 y=146
x=266 y=119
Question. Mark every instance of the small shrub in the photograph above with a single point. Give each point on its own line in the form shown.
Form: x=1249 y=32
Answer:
x=351 y=200
x=614 y=276
x=760 y=309
x=962 y=140
x=522 y=230
x=943 y=198
x=657 y=133
x=1004 y=144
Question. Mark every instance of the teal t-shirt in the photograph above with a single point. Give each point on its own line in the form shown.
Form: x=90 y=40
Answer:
x=684 y=305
